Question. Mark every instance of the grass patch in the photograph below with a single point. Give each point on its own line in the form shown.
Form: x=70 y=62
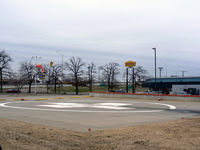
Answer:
x=72 y=89
x=179 y=135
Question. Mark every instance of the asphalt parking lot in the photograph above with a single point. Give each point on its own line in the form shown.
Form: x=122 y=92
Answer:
x=81 y=113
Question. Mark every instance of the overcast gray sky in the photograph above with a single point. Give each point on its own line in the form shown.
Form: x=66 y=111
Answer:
x=103 y=31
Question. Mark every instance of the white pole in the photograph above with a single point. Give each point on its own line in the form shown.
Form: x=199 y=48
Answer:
x=62 y=64
x=62 y=69
x=35 y=75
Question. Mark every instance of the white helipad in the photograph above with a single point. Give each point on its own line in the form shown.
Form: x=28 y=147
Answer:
x=99 y=107
x=99 y=113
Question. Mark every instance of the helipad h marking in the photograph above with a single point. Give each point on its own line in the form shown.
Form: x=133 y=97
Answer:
x=117 y=106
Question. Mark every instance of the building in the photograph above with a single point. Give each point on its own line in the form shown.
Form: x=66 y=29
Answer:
x=175 y=85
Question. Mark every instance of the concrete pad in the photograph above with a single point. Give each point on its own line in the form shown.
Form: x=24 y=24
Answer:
x=95 y=113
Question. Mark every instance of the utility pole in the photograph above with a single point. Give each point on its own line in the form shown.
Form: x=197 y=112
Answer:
x=160 y=70
x=155 y=67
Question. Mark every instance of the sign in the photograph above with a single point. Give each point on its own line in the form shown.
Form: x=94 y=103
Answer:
x=42 y=76
x=130 y=64
x=41 y=67
x=51 y=63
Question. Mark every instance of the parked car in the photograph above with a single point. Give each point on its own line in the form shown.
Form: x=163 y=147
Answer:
x=160 y=92
x=150 y=92
x=139 y=92
x=121 y=91
x=13 y=91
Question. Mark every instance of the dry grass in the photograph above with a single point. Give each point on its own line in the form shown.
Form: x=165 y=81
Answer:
x=175 y=135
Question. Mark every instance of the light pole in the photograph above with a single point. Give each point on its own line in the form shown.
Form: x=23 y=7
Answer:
x=127 y=80
x=36 y=57
x=130 y=64
x=62 y=64
x=155 y=65
x=133 y=80
x=35 y=74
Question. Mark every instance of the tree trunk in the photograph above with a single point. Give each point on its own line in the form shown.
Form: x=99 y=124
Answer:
x=1 y=76
x=112 y=80
x=90 y=85
x=135 y=85
x=76 y=89
x=55 y=85
x=29 y=88
x=109 y=86
x=76 y=85
x=47 y=88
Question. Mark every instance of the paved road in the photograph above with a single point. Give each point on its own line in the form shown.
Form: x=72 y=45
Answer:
x=96 y=113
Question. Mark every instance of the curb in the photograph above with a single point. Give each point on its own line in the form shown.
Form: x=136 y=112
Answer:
x=41 y=99
x=22 y=99
x=55 y=98
x=2 y=99
x=75 y=97
x=58 y=98
x=87 y=96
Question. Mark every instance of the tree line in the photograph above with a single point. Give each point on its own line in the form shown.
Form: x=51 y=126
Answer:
x=78 y=74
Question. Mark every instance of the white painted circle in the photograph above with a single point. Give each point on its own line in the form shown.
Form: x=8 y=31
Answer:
x=116 y=106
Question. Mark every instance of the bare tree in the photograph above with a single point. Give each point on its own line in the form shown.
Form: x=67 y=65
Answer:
x=110 y=71
x=18 y=81
x=75 y=67
x=56 y=74
x=4 y=65
x=140 y=74
x=29 y=72
x=91 y=72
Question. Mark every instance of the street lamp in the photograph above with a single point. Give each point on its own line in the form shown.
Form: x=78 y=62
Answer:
x=155 y=65
x=62 y=63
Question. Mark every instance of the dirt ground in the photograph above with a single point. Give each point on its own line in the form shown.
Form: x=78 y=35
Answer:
x=175 y=135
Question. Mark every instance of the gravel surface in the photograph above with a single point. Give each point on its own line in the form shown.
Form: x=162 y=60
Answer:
x=175 y=135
